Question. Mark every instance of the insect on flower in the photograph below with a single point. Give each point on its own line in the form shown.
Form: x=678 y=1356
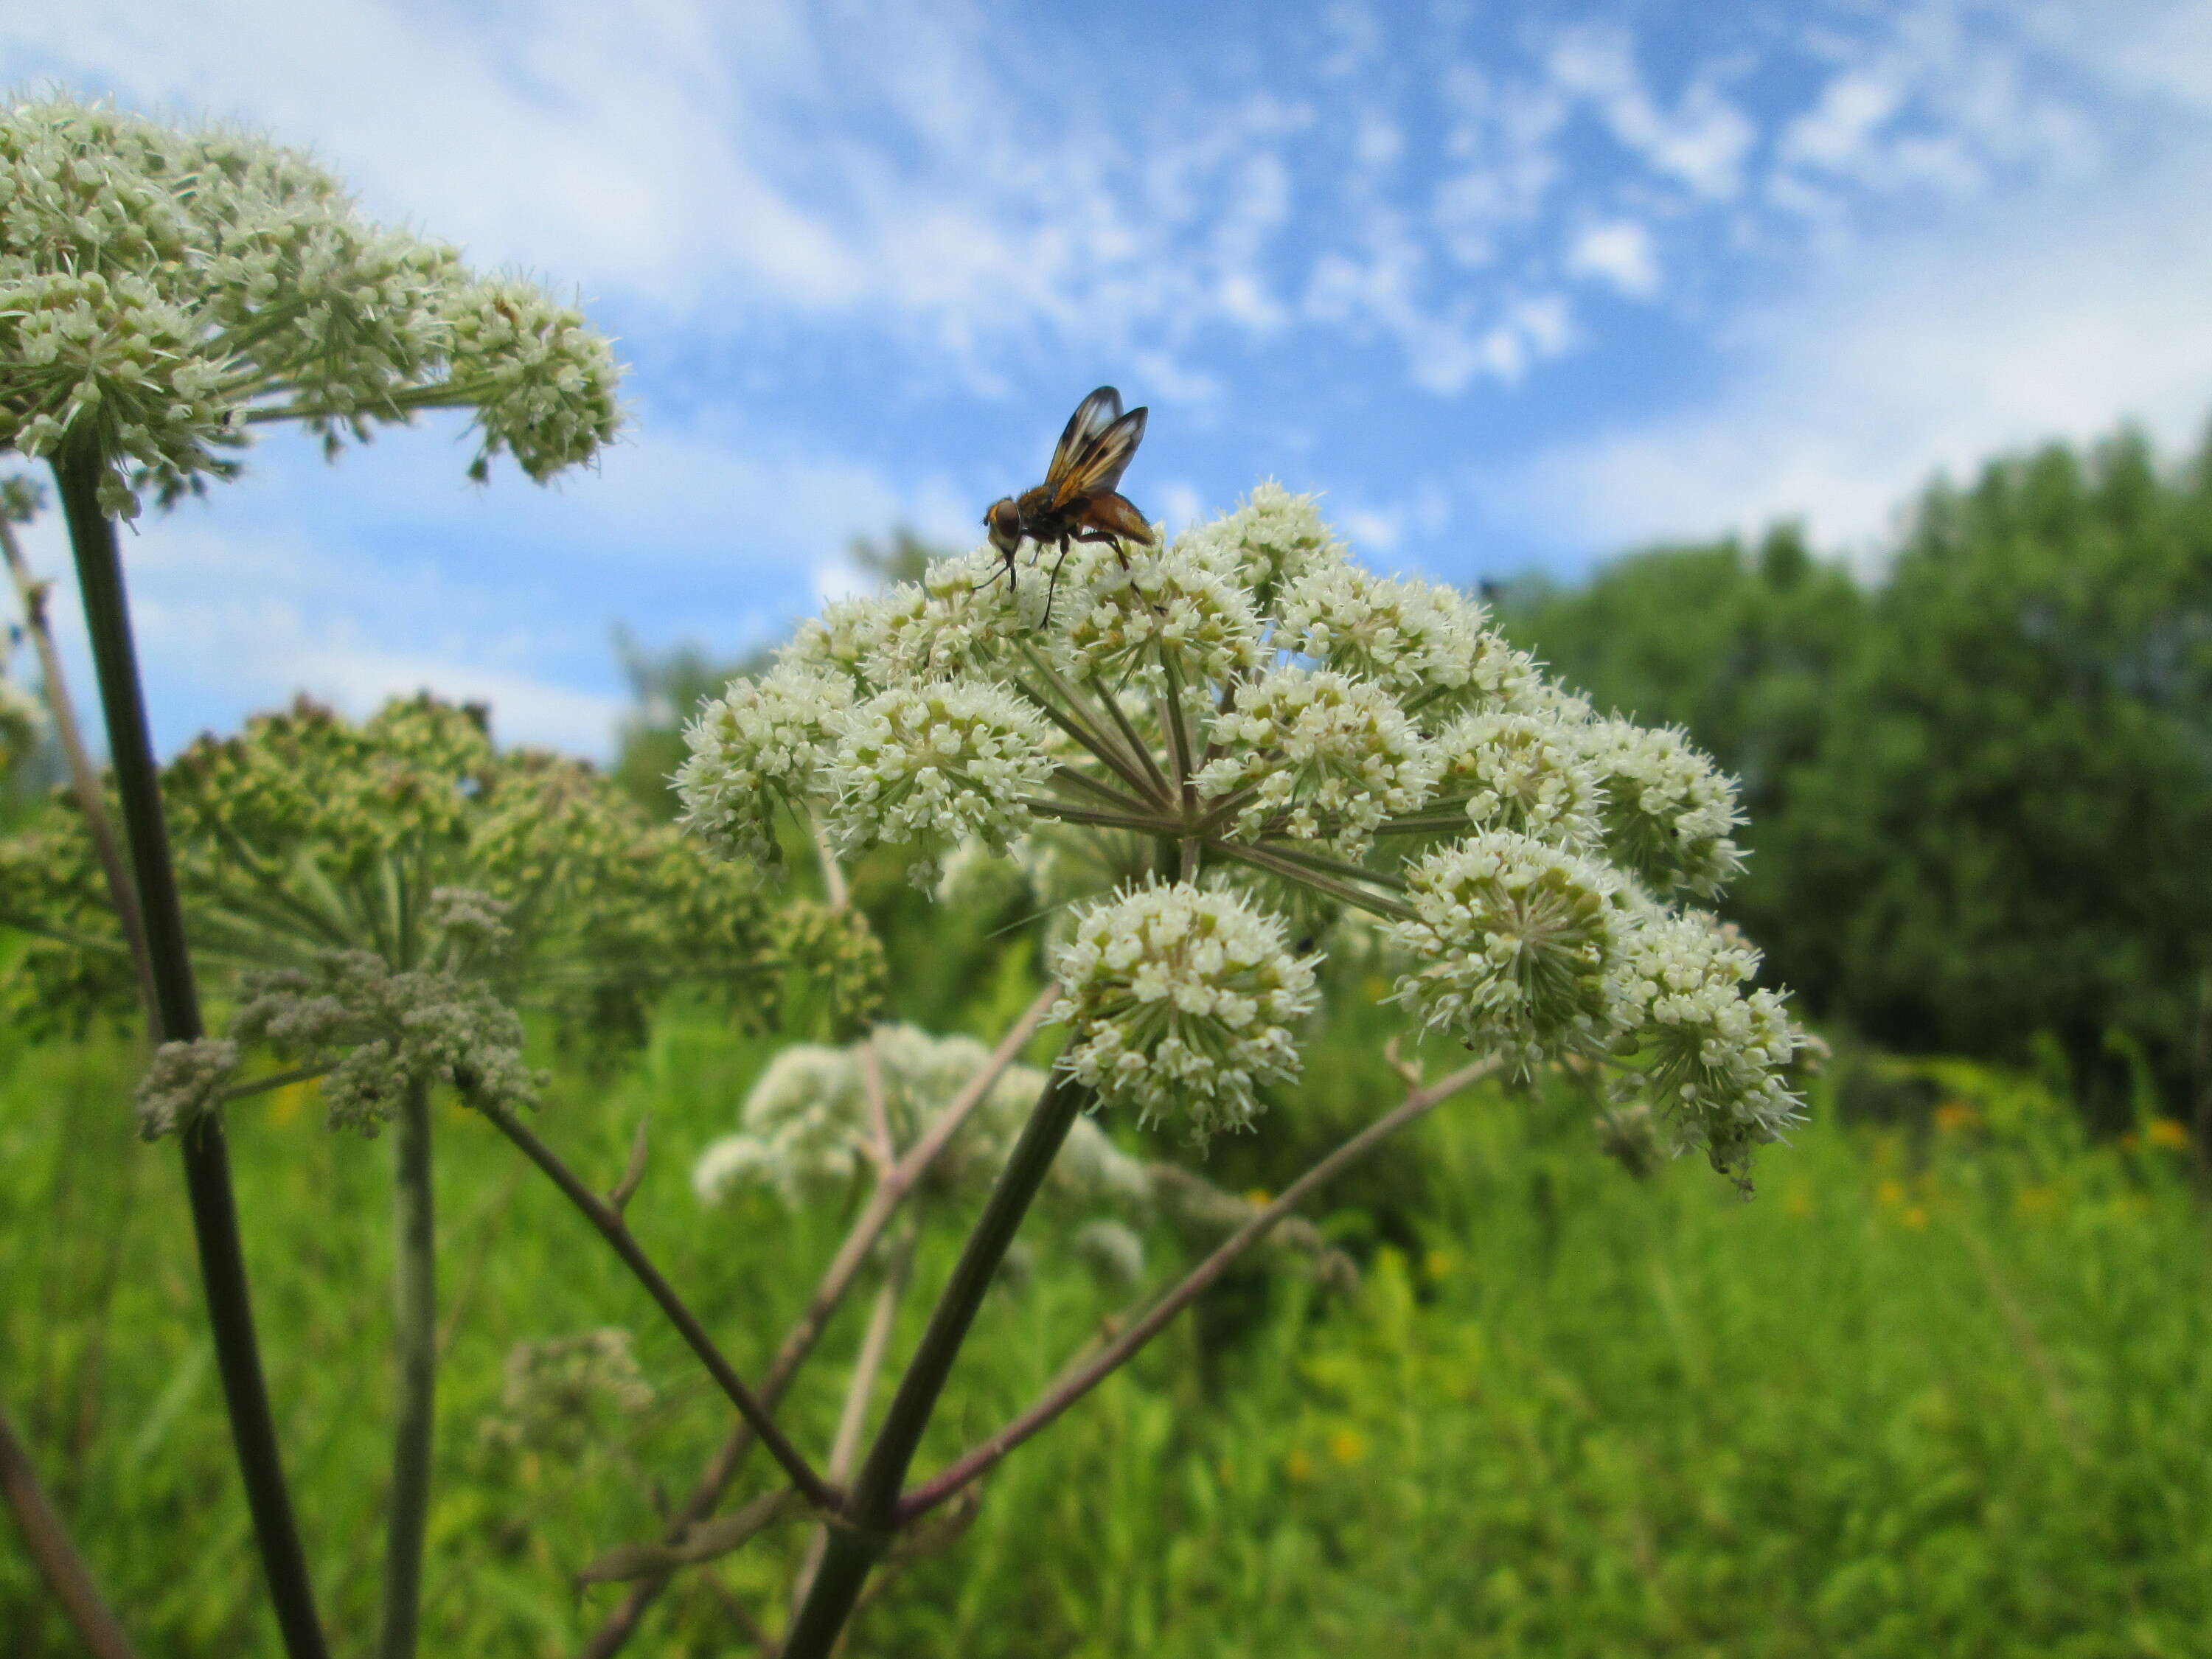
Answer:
x=1078 y=501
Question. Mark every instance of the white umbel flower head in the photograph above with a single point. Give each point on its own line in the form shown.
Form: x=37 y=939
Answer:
x=163 y=288
x=1719 y=1053
x=759 y=746
x=1271 y=539
x=842 y=639
x=1522 y=771
x=1142 y=614
x=962 y=617
x=933 y=765
x=1668 y=809
x=1317 y=755
x=1182 y=1001
x=1517 y=942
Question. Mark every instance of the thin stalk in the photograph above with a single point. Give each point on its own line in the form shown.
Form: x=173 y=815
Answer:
x=84 y=777
x=1342 y=868
x=1138 y=745
x=611 y=1227
x=1068 y=777
x=46 y=1540
x=871 y=1514
x=273 y=1080
x=1133 y=768
x=859 y=1390
x=1045 y=807
x=175 y=1016
x=1262 y=858
x=972 y=1464
x=415 y=1352
x=799 y=1341
x=834 y=886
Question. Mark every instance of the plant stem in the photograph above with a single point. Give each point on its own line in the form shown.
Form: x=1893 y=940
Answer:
x=1057 y=1399
x=175 y=1017
x=871 y=1513
x=84 y=777
x=46 y=1537
x=611 y=1227
x=799 y=1342
x=853 y=1417
x=415 y=1352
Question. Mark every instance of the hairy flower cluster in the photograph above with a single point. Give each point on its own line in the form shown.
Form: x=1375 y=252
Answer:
x=1146 y=615
x=1317 y=755
x=760 y=745
x=1720 y=1051
x=1180 y=1003
x=930 y=766
x=1518 y=943
x=1523 y=772
x=1421 y=642
x=1668 y=809
x=1272 y=539
x=183 y=1083
x=1241 y=731
x=374 y=1033
x=808 y=1126
x=161 y=289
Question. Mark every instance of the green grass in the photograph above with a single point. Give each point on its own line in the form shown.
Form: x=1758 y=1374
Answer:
x=1939 y=1391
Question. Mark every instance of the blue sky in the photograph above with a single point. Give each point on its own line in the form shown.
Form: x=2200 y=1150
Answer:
x=1515 y=286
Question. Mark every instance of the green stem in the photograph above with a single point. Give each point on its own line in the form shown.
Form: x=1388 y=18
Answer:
x=868 y=1516
x=415 y=1349
x=176 y=1017
x=46 y=1539
x=84 y=777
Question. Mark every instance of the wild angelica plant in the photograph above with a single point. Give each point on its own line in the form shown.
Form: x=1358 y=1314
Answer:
x=1205 y=751
x=1202 y=749
x=163 y=292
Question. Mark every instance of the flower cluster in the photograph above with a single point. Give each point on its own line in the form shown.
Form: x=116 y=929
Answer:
x=1199 y=750
x=308 y=833
x=183 y=1083
x=808 y=1125
x=1720 y=1051
x=373 y=1033
x=160 y=290
x=552 y=1391
x=1183 y=1001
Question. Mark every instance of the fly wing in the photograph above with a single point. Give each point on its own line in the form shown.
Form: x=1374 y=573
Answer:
x=1093 y=416
x=1099 y=468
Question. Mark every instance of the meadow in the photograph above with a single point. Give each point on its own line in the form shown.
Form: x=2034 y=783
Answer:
x=1938 y=1390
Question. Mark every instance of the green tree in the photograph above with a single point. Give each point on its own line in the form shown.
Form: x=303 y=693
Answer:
x=2008 y=827
x=1743 y=646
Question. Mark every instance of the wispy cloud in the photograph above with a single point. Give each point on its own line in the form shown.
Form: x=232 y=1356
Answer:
x=1508 y=285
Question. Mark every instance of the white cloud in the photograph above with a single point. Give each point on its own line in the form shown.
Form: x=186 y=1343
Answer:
x=1621 y=252
x=1701 y=141
x=1936 y=348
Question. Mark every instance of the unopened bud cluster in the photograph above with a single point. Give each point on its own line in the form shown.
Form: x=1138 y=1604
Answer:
x=1199 y=751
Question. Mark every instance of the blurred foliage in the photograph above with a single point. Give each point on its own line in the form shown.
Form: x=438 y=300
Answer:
x=1939 y=1389
x=1981 y=789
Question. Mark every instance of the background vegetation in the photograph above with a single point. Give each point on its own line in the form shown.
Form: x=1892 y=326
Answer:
x=1940 y=1390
